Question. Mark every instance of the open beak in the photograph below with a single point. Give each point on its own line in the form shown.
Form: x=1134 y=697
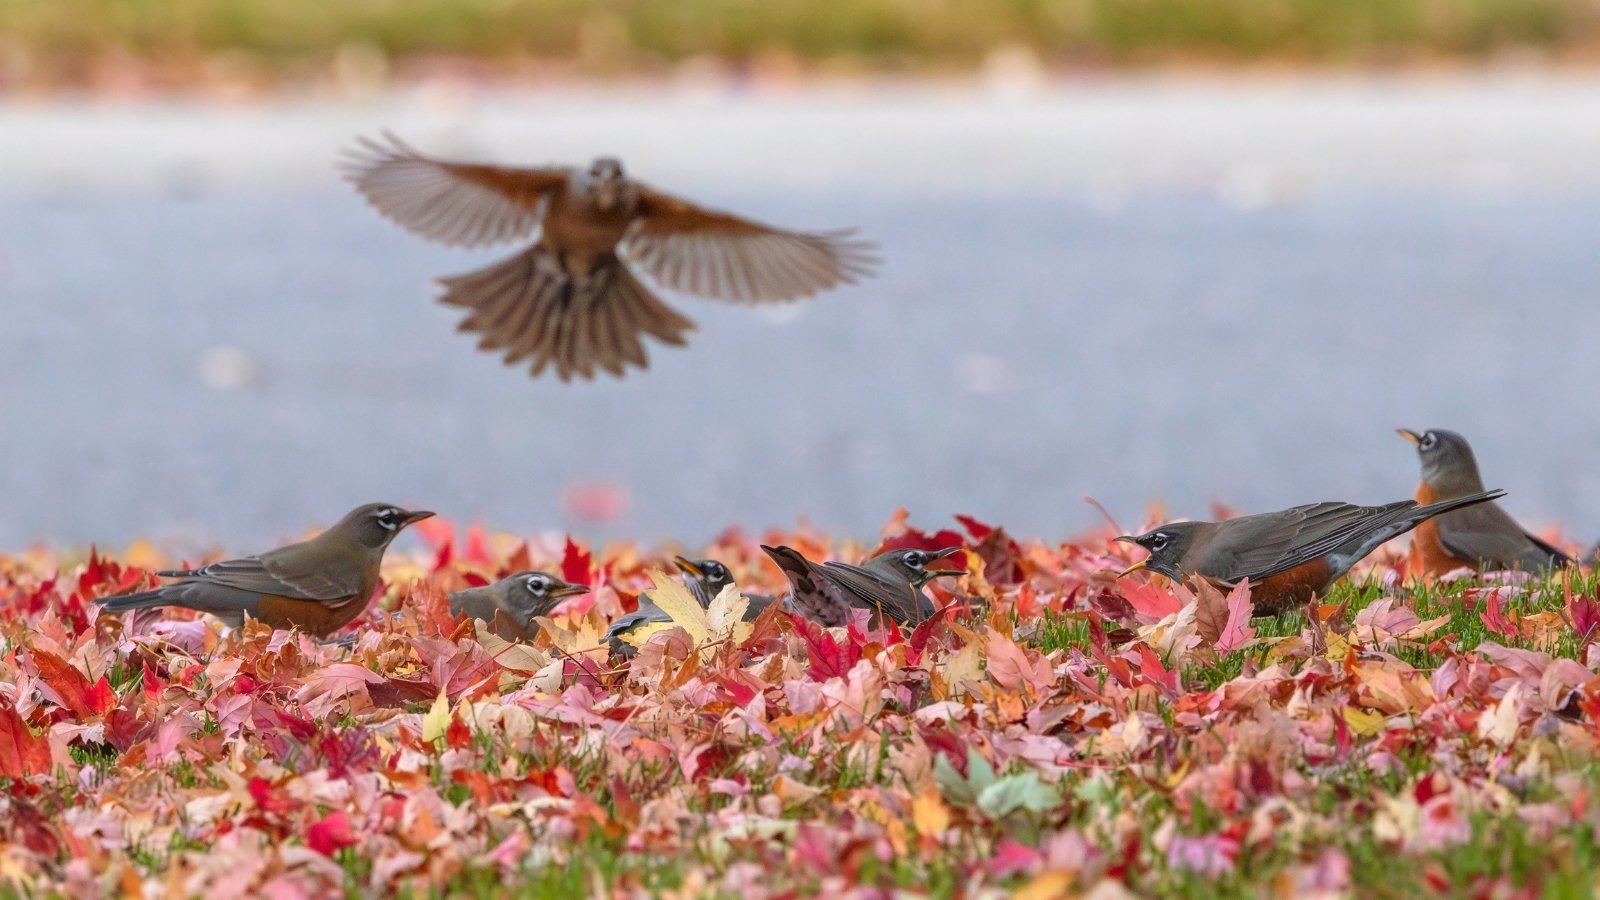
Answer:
x=687 y=567
x=1129 y=539
x=1409 y=435
x=941 y=554
x=416 y=516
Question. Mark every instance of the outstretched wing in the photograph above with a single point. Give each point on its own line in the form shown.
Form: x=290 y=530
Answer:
x=459 y=204
x=724 y=257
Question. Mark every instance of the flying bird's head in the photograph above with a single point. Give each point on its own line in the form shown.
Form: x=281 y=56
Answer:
x=605 y=184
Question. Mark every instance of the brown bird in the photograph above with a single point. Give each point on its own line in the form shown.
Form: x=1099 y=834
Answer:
x=1289 y=555
x=890 y=584
x=572 y=300
x=1480 y=537
x=318 y=586
x=705 y=579
x=509 y=605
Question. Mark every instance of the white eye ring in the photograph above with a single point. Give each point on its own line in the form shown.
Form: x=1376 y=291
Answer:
x=1158 y=542
x=388 y=518
x=1429 y=439
x=538 y=584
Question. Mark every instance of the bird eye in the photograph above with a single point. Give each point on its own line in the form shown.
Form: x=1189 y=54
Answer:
x=1158 y=541
x=1429 y=439
x=538 y=584
x=916 y=559
x=389 y=518
x=716 y=571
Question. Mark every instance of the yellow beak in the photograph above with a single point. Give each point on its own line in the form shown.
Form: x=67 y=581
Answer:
x=1409 y=435
x=1133 y=568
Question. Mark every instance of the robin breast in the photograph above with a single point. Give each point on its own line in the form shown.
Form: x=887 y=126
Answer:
x=1291 y=587
x=1428 y=557
x=309 y=616
x=577 y=228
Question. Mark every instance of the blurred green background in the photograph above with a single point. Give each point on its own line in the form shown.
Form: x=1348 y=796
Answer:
x=65 y=41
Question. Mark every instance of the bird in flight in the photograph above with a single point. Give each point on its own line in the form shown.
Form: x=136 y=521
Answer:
x=574 y=300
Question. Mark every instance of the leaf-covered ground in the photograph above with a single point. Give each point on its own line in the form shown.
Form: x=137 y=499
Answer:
x=1053 y=731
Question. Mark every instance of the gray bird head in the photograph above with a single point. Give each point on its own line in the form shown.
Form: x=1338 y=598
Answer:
x=1448 y=466
x=705 y=578
x=1166 y=544
x=374 y=525
x=529 y=594
x=915 y=566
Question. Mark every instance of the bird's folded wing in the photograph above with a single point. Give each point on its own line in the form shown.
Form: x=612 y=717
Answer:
x=871 y=590
x=1262 y=546
x=724 y=257
x=459 y=204
x=1486 y=533
x=268 y=576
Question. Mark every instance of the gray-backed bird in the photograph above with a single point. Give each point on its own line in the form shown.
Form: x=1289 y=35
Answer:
x=1483 y=536
x=705 y=579
x=890 y=584
x=1289 y=555
x=509 y=605
x=572 y=300
x=318 y=586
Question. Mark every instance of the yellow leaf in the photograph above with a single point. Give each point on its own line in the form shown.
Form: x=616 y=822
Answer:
x=675 y=600
x=437 y=721
x=639 y=634
x=929 y=815
x=726 y=616
x=1361 y=722
x=1046 y=886
x=1337 y=648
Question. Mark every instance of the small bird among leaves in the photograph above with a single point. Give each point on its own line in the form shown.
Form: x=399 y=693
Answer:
x=509 y=605
x=318 y=586
x=573 y=301
x=889 y=584
x=705 y=579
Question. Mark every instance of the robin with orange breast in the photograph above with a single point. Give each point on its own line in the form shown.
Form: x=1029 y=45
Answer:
x=318 y=586
x=1289 y=556
x=1480 y=537
x=572 y=301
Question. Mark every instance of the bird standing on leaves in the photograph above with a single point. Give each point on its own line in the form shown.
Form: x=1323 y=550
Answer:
x=890 y=584
x=572 y=300
x=509 y=605
x=1289 y=555
x=318 y=586
x=1480 y=537
x=705 y=579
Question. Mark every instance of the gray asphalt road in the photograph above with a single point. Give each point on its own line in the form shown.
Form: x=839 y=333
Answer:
x=1131 y=290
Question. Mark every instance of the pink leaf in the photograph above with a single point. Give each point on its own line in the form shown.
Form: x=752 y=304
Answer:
x=1238 y=630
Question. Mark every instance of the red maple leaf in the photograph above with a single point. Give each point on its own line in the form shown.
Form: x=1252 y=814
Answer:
x=22 y=753
x=829 y=658
x=331 y=833
x=77 y=695
x=577 y=565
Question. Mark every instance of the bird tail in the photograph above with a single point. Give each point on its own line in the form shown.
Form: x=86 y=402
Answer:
x=1423 y=513
x=530 y=307
x=125 y=602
